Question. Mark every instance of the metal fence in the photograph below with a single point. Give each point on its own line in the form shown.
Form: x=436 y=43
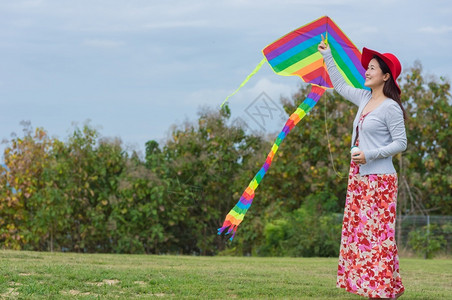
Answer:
x=427 y=235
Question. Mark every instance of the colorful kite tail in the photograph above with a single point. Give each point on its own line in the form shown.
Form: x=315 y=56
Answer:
x=245 y=81
x=237 y=213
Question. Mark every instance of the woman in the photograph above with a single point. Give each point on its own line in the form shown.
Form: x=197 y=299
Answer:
x=368 y=259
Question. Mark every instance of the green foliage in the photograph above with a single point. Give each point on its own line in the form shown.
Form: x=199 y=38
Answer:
x=20 y=179
x=87 y=194
x=90 y=183
x=304 y=232
x=139 y=214
x=427 y=241
x=310 y=161
x=56 y=194
x=204 y=164
x=426 y=168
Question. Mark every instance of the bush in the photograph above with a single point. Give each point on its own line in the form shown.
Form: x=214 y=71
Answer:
x=426 y=241
x=303 y=233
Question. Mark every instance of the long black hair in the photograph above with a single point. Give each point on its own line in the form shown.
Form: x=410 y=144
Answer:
x=390 y=89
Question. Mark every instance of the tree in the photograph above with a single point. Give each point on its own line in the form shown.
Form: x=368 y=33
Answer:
x=88 y=194
x=52 y=211
x=425 y=169
x=140 y=213
x=205 y=164
x=92 y=167
x=314 y=157
x=25 y=160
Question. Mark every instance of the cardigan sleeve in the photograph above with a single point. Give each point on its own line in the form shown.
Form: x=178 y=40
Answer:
x=354 y=95
x=396 y=126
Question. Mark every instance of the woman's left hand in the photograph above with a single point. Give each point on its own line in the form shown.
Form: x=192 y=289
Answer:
x=359 y=158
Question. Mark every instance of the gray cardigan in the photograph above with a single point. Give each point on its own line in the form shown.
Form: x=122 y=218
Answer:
x=382 y=134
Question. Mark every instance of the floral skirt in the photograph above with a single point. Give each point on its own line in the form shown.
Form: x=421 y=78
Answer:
x=368 y=259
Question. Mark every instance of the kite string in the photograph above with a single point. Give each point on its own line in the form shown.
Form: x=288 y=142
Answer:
x=329 y=144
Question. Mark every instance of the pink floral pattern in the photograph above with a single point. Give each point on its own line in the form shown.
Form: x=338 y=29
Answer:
x=368 y=259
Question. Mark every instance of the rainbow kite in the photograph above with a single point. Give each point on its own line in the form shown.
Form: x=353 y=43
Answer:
x=296 y=54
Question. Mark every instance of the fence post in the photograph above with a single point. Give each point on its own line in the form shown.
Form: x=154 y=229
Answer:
x=428 y=236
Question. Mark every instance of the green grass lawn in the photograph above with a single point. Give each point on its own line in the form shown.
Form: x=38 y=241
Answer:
x=40 y=275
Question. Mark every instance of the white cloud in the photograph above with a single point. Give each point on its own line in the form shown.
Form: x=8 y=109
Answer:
x=28 y=4
x=102 y=43
x=273 y=87
x=436 y=30
x=369 y=29
x=211 y=97
x=174 y=56
x=175 y=24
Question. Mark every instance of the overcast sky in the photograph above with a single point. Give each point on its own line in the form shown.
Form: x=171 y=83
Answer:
x=136 y=67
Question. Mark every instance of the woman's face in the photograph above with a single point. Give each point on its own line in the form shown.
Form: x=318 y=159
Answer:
x=374 y=75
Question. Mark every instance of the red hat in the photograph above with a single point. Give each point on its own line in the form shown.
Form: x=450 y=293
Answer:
x=390 y=59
